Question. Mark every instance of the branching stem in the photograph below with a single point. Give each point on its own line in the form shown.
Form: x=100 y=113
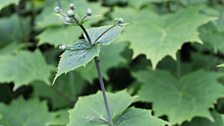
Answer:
x=86 y=34
x=103 y=33
x=100 y=77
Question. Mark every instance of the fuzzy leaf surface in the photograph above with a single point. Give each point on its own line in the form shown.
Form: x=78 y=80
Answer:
x=195 y=92
x=157 y=36
x=80 y=55
x=23 y=68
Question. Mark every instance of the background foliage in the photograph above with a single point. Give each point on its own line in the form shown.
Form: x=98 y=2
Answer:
x=162 y=70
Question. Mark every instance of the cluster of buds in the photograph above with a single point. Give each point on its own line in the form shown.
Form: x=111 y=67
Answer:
x=71 y=17
x=119 y=22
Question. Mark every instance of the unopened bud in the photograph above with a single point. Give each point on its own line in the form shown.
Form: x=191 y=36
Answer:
x=57 y=9
x=63 y=47
x=72 y=6
x=89 y=12
x=120 y=20
x=70 y=13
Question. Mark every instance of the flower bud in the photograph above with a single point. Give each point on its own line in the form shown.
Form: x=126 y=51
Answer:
x=72 y=6
x=70 y=13
x=89 y=12
x=63 y=47
x=120 y=20
x=57 y=9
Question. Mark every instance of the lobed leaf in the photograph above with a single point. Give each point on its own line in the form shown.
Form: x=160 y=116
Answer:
x=195 y=92
x=213 y=33
x=25 y=113
x=90 y=111
x=157 y=36
x=24 y=68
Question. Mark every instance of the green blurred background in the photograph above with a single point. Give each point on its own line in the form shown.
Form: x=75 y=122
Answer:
x=30 y=34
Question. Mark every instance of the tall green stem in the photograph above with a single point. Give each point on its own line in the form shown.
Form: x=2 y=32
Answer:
x=97 y=62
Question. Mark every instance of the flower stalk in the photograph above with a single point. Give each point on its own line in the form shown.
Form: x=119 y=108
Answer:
x=71 y=17
x=100 y=77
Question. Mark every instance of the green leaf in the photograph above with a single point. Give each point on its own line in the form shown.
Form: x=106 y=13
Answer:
x=25 y=113
x=63 y=93
x=107 y=53
x=114 y=2
x=219 y=23
x=209 y=33
x=14 y=29
x=11 y=48
x=138 y=117
x=180 y=99
x=23 y=68
x=139 y=3
x=207 y=62
x=176 y=68
x=59 y=35
x=90 y=110
x=192 y=2
x=81 y=53
x=218 y=121
x=157 y=36
x=5 y=3
x=104 y=35
x=61 y=118
x=49 y=18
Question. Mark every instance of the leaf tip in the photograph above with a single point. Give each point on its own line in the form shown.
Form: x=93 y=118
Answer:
x=55 y=78
x=221 y=65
